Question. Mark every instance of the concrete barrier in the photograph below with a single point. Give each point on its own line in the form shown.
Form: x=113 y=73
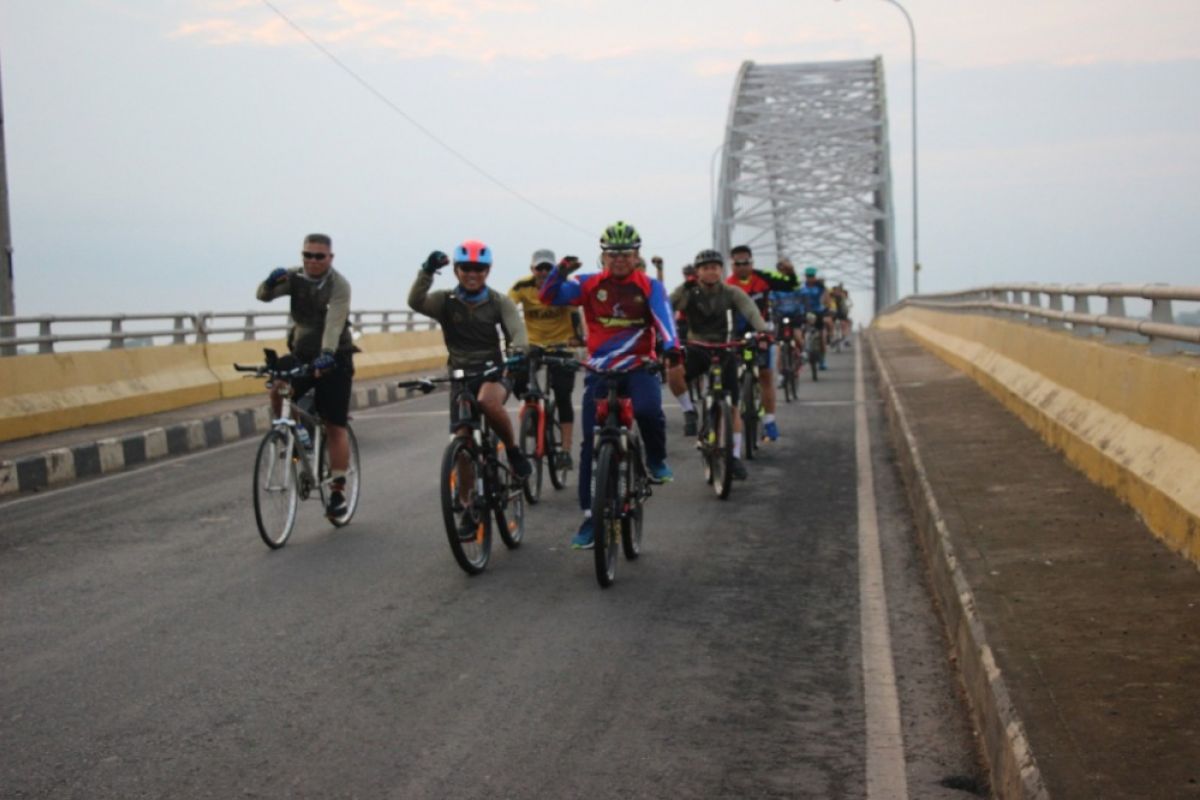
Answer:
x=1129 y=420
x=59 y=391
x=56 y=391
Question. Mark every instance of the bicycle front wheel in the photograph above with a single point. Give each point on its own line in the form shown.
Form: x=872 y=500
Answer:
x=634 y=481
x=751 y=402
x=722 y=449
x=276 y=488
x=464 y=508
x=554 y=449
x=528 y=443
x=606 y=514
x=785 y=370
x=353 y=479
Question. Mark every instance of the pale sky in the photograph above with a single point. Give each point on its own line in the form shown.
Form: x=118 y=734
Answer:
x=166 y=156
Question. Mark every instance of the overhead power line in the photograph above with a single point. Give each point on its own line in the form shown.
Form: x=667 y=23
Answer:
x=428 y=133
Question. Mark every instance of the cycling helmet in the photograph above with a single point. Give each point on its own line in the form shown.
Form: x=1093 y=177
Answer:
x=810 y=272
x=620 y=236
x=708 y=257
x=473 y=252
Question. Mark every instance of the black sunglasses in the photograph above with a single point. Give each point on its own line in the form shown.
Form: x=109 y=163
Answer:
x=472 y=267
x=543 y=268
x=313 y=256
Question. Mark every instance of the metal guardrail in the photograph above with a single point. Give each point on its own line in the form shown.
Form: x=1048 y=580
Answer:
x=184 y=327
x=1024 y=301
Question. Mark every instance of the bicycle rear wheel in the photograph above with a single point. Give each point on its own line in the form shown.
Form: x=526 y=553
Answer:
x=606 y=514
x=509 y=505
x=554 y=449
x=528 y=442
x=814 y=358
x=276 y=488
x=464 y=509
x=353 y=479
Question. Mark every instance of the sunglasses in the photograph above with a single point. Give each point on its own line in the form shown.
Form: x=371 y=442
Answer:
x=313 y=256
x=473 y=267
x=619 y=253
x=543 y=268
x=745 y=262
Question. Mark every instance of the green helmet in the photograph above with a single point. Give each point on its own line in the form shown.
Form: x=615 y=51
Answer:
x=620 y=236
x=810 y=272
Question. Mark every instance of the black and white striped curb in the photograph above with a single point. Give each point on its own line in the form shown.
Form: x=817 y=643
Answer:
x=102 y=457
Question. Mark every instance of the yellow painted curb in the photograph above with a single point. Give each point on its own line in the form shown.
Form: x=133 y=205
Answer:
x=1130 y=421
x=55 y=391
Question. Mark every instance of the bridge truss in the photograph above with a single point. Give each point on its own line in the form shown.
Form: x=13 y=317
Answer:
x=806 y=172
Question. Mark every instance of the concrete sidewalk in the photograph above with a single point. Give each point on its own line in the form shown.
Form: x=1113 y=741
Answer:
x=1076 y=632
x=28 y=465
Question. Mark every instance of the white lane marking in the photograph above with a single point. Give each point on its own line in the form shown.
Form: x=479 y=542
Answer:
x=885 y=741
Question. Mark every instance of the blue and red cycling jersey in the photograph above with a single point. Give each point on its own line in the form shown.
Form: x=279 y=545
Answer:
x=625 y=317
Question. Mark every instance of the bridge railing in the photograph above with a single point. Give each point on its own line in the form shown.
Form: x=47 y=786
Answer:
x=1065 y=307
x=117 y=331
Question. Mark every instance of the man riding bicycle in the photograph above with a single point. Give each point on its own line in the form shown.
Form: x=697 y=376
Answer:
x=706 y=305
x=469 y=315
x=759 y=284
x=816 y=301
x=549 y=327
x=841 y=317
x=319 y=335
x=788 y=303
x=626 y=313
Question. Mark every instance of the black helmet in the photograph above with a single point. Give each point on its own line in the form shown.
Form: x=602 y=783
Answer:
x=708 y=257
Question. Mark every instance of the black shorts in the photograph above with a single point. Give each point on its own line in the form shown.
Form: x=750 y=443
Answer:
x=473 y=384
x=841 y=314
x=697 y=360
x=331 y=391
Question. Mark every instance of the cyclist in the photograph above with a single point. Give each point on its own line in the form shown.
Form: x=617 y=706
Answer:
x=469 y=315
x=788 y=303
x=548 y=327
x=816 y=300
x=689 y=277
x=626 y=313
x=759 y=284
x=842 y=315
x=319 y=334
x=706 y=305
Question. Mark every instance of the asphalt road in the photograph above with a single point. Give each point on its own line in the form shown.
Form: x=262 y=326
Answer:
x=151 y=646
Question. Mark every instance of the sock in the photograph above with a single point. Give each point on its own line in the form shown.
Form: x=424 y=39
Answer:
x=737 y=445
x=769 y=418
x=587 y=513
x=685 y=402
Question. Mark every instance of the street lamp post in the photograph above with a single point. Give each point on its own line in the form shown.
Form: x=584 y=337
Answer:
x=912 y=33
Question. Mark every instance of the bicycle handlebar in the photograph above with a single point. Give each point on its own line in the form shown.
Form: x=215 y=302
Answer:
x=427 y=385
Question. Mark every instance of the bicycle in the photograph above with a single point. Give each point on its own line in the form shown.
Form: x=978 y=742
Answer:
x=814 y=343
x=540 y=431
x=285 y=470
x=476 y=484
x=622 y=481
x=790 y=359
x=714 y=438
x=751 y=400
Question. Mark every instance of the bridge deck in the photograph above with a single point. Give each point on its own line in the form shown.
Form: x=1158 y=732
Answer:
x=1094 y=624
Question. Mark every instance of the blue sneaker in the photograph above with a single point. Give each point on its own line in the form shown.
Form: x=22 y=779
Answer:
x=772 y=431
x=823 y=367
x=661 y=473
x=584 y=538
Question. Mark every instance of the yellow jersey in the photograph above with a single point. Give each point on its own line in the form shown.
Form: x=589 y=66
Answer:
x=546 y=325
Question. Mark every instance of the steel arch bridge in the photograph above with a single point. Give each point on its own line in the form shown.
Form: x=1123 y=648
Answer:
x=806 y=172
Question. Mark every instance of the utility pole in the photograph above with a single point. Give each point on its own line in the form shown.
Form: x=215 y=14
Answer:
x=7 y=304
